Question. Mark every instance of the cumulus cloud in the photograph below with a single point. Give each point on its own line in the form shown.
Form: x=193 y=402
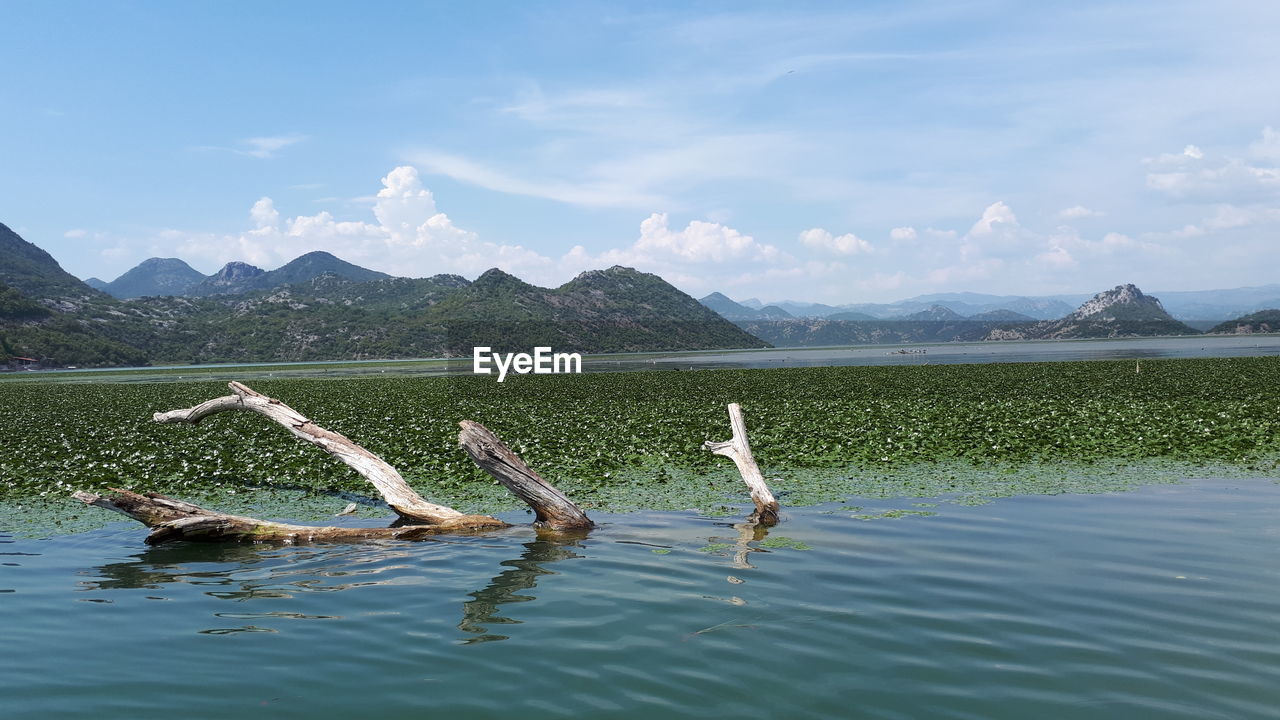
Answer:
x=264 y=214
x=903 y=234
x=847 y=244
x=1194 y=176
x=996 y=215
x=699 y=242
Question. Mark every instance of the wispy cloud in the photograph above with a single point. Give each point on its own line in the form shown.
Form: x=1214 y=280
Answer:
x=267 y=146
x=264 y=147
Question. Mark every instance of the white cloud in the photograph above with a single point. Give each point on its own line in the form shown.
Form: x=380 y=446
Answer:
x=903 y=234
x=699 y=242
x=1268 y=147
x=599 y=193
x=1195 y=177
x=75 y=233
x=847 y=244
x=1077 y=212
x=996 y=215
x=264 y=214
x=268 y=146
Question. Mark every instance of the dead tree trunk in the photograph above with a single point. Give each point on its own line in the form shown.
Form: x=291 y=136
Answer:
x=552 y=508
x=738 y=450
x=172 y=519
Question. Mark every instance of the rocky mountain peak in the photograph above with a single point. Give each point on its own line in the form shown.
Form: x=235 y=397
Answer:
x=1108 y=301
x=234 y=272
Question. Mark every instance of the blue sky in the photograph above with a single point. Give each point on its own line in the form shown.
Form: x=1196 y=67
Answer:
x=835 y=152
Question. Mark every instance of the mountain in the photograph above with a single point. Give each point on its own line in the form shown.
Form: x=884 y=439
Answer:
x=34 y=272
x=753 y=303
x=728 y=309
x=155 y=276
x=237 y=278
x=232 y=278
x=850 y=315
x=30 y=329
x=613 y=310
x=1122 y=311
x=321 y=308
x=1265 y=321
x=1220 y=305
x=1001 y=316
x=935 y=313
x=96 y=283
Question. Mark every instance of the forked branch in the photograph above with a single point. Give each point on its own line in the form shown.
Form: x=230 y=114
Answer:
x=172 y=519
x=402 y=498
x=738 y=450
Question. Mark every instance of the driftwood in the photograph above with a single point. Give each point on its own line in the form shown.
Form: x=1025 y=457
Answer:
x=399 y=496
x=172 y=519
x=551 y=508
x=738 y=450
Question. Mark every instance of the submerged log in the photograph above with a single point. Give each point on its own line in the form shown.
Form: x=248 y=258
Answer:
x=171 y=519
x=738 y=450
x=552 y=509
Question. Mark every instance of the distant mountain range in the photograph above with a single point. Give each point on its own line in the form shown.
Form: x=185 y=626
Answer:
x=319 y=307
x=1199 y=308
x=1122 y=311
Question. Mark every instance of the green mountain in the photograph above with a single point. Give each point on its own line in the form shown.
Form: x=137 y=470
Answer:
x=154 y=276
x=238 y=278
x=1265 y=321
x=96 y=283
x=318 y=314
x=34 y=272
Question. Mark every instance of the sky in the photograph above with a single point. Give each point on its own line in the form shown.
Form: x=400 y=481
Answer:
x=830 y=152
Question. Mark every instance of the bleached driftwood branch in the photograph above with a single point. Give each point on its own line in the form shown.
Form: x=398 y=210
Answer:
x=552 y=509
x=171 y=519
x=738 y=450
x=174 y=519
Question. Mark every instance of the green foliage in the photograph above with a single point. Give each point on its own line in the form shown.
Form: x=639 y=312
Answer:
x=625 y=440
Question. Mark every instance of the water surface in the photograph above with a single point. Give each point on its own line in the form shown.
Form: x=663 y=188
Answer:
x=1160 y=602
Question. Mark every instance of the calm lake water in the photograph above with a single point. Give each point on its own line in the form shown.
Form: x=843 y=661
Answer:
x=917 y=354
x=1158 y=603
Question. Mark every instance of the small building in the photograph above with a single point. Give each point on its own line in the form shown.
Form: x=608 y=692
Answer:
x=17 y=362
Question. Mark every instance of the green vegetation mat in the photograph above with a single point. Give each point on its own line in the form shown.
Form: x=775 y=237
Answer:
x=626 y=441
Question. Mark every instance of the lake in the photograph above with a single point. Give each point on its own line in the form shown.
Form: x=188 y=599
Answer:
x=917 y=354
x=1161 y=602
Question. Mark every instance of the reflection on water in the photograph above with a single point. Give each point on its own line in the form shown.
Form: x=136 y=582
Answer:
x=521 y=574
x=1158 y=603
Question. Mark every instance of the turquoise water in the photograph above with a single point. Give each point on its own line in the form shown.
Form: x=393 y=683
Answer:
x=1157 y=603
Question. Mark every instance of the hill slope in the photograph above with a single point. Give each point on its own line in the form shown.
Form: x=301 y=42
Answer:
x=1265 y=321
x=238 y=278
x=34 y=272
x=154 y=276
